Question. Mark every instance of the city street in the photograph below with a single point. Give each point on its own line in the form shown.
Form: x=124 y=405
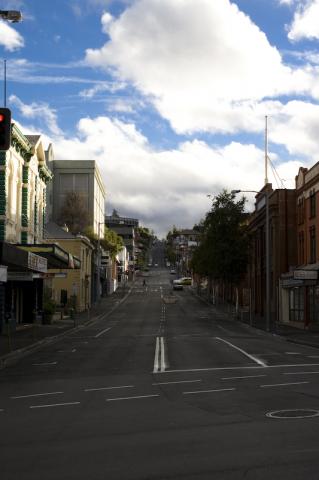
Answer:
x=166 y=387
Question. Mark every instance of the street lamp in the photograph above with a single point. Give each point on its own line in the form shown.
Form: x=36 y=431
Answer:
x=234 y=192
x=13 y=16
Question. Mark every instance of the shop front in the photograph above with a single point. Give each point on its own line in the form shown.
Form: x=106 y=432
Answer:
x=299 y=299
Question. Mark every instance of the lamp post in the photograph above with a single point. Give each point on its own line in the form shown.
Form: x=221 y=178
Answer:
x=234 y=192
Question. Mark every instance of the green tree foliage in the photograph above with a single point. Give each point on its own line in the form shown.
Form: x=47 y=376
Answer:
x=223 y=251
x=144 y=239
x=169 y=249
x=111 y=242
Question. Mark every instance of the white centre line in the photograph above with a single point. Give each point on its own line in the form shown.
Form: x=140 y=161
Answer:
x=245 y=376
x=107 y=388
x=210 y=391
x=255 y=359
x=55 y=405
x=282 y=384
x=156 y=358
x=173 y=383
x=130 y=398
x=103 y=331
x=41 y=364
x=37 y=395
x=162 y=355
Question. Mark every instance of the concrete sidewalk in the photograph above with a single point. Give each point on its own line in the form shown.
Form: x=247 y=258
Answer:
x=290 y=334
x=28 y=337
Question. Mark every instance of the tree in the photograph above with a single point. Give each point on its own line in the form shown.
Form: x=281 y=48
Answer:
x=223 y=251
x=74 y=213
x=111 y=241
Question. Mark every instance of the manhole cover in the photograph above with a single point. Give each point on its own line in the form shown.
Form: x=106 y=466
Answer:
x=298 y=413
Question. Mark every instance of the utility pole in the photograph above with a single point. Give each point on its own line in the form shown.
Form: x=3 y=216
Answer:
x=267 y=253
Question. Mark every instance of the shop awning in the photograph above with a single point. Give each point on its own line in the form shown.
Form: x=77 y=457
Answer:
x=18 y=260
x=55 y=255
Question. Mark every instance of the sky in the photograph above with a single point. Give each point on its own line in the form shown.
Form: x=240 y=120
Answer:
x=168 y=96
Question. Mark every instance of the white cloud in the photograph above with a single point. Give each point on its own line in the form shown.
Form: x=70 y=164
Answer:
x=305 y=23
x=41 y=112
x=165 y=187
x=10 y=38
x=203 y=64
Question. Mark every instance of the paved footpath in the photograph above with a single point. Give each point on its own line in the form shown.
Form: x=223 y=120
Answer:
x=29 y=337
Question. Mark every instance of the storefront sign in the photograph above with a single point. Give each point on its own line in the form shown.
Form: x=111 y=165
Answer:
x=50 y=275
x=305 y=274
x=37 y=263
x=20 y=276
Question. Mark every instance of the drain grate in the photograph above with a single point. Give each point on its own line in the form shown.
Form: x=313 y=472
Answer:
x=297 y=413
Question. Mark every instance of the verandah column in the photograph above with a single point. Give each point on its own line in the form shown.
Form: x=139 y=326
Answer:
x=25 y=204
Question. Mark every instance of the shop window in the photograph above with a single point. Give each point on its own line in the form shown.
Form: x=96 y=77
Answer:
x=296 y=305
x=314 y=304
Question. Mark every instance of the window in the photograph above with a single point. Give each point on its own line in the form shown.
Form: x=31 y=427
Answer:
x=312 y=240
x=312 y=206
x=300 y=211
x=301 y=248
x=296 y=304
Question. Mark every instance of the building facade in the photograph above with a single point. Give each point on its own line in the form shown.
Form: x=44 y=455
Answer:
x=24 y=177
x=82 y=177
x=282 y=248
x=300 y=286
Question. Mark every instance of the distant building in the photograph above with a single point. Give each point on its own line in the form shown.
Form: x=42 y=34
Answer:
x=82 y=177
x=125 y=227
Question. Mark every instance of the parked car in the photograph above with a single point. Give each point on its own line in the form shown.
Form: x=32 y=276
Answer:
x=177 y=286
x=173 y=271
x=183 y=281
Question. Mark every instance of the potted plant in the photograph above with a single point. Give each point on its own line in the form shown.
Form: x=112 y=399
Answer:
x=49 y=307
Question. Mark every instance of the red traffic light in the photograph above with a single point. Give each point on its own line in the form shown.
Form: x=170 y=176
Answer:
x=5 y=129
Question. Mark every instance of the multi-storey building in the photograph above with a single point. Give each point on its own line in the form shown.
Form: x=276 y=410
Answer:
x=84 y=178
x=125 y=227
x=300 y=286
x=24 y=176
x=282 y=247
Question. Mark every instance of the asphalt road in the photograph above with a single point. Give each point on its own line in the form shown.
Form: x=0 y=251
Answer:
x=164 y=388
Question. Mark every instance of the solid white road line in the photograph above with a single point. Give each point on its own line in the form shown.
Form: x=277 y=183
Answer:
x=107 y=388
x=103 y=331
x=255 y=359
x=245 y=376
x=41 y=364
x=210 y=391
x=173 y=383
x=247 y=367
x=281 y=384
x=54 y=405
x=130 y=398
x=37 y=395
x=300 y=373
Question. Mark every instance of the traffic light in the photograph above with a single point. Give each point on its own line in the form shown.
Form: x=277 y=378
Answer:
x=5 y=128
